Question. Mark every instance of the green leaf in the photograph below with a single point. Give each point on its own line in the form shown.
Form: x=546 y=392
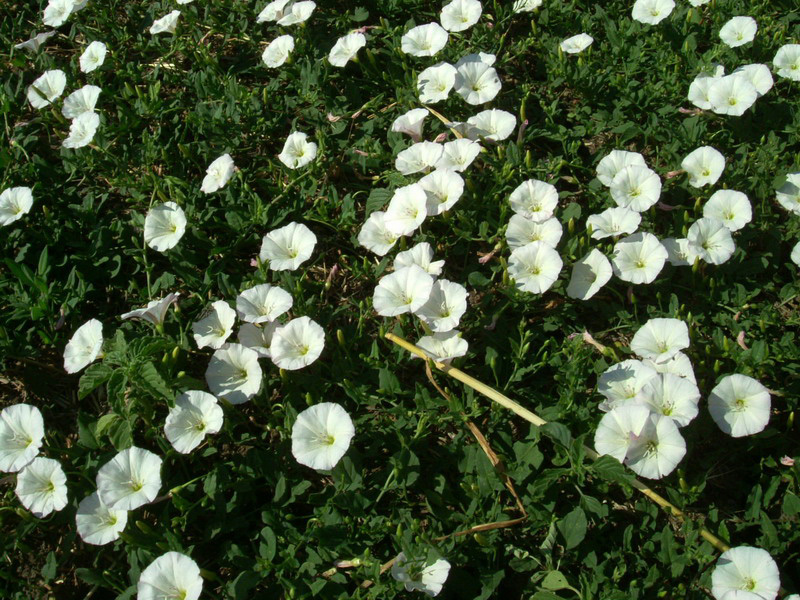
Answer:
x=153 y=380
x=104 y=422
x=49 y=568
x=610 y=469
x=573 y=528
x=378 y=198
x=92 y=378
x=555 y=581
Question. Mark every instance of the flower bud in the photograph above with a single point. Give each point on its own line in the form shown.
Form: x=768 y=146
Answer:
x=340 y=337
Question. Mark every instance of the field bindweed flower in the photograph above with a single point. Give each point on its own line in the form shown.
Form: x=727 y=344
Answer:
x=652 y=12
x=258 y=337
x=263 y=303
x=84 y=346
x=297 y=344
x=93 y=57
x=42 y=486
x=757 y=74
x=701 y=86
x=788 y=195
x=443 y=188
x=296 y=13
x=617 y=429
x=375 y=236
x=129 y=480
x=82 y=130
x=288 y=247
x=156 y=310
x=321 y=436
x=493 y=125
x=164 y=226
x=272 y=11
x=418 y=577
x=166 y=24
x=424 y=40
x=738 y=31
x=638 y=258
x=680 y=252
x=297 y=151
x=679 y=365
x=172 y=576
x=443 y=347
x=420 y=255
x=732 y=95
x=745 y=573
x=534 y=267
x=635 y=187
x=704 y=166
x=613 y=222
x=446 y=305
x=477 y=82
x=215 y=327
x=622 y=383
x=234 y=373
x=411 y=122
x=35 y=42
x=80 y=101
x=459 y=154
x=195 y=414
x=535 y=200
x=346 y=48
x=787 y=62
x=277 y=51
x=576 y=43
x=96 y=523
x=21 y=435
x=660 y=339
x=15 y=202
x=57 y=12
x=460 y=15
x=589 y=275
x=731 y=207
x=49 y=86
x=407 y=209
x=616 y=160
x=739 y=405
x=657 y=448
x=795 y=254
x=403 y=291
x=418 y=157
x=521 y=231
x=672 y=396
x=435 y=82
x=218 y=174
x=711 y=240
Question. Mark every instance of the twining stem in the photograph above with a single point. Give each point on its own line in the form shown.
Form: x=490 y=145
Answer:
x=538 y=421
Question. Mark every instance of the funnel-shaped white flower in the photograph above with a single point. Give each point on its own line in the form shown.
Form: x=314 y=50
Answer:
x=660 y=339
x=672 y=396
x=21 y=434
x=731 y=207
x=416 y=576
x=745 y=573
x=613 y=222
x=172 y=576
x=15 y=202
x=521 y=231
x=704 y=166
x=297 y=151
x=637 y=188
x=739 y=405
x=534 y=199
x=164 y=226
x=47 y=88
x=93 y=57
x=129 y=480
x=297 y=344
x=97 y=524
x=218 y=174
x=346 y=48
x=405 y=290
x=711 y=240
x=288 y=247
x=616 y=160
x=424 y=40
x=213 y=330
x=263 y=303
x=84 y=346
x=445 y=306
x=321 y=435
x=534 y=267
x=443 y=188
x=375 y=236
x=420 y=255
x=195 y=414
x=589 y=274
x=42 y=486
x=638 y=258
x=155 y=311
x=234 y=373
x=411 y=123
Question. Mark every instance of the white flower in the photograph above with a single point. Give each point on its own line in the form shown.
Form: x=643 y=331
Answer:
x=731 y=207
x=443 y=347
x=272 y=11
x=459 y=154
x=660 y=339
x=788 y=195
x=164 y=226
x=739 y=405
x=745 y=573
x=636 y=187
x=93 y=57
x=795 y=255
x=738 y=31
x=732 y=95
x=616 y=160
x=411 y=122
x=416 y=577
x=82 y=130
x=622 y=383
x=375 y=236
x=155 y=311
x=84 y=346
x=652 y=12
x=434 y=83
x=166 y=24
x=476 y=82
x=418 y=157
x=657 y=448
x=407 y=209
x=704 y=166
x=420 y=255
x=346 y=48
x=80 y=101
x=21 y=434
x=258 y=337
x=49 y=86
x=758 y=75
x=298 y=151
x=194 y=415
x=234 y=373
x=57 y=12
x=613 y=222
x=424 y=40
x=460 y=15
x=617 y=428
x=297 y=12
x=215 y=327
x=576 y=43
x=445 y=306
x=672 y=396
x=711 y=240
x=263 y=303
x=35 y=42
x=405 y=290
x=521 y=231
x=218 y=174
x=321 y=435
x=680 y=252
x=589 y=274
x=172 y=576
x=297 y=344
x=288 y=247
x=42 y=486
x=15 y=202
x=679 y=365
x=443 y=188
x=493 y=125
x=97 y=524
x=638 y=258
x=701 y=86
x=129 y=480
x=535 y=200
x=526 y=5
x=484 y=57
x=787 y=61
x=534 y=267
x=698 y=2
x=277 y=51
